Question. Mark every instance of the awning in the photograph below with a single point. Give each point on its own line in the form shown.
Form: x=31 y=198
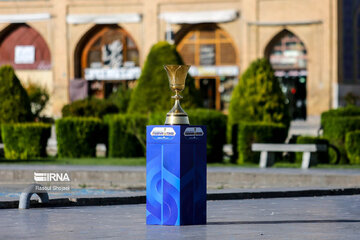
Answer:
x=272 y=24
x=199 y=17
x=23 y=18
x=103 y=18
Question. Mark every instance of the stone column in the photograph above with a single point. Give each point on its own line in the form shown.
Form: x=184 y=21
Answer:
x=59 y=53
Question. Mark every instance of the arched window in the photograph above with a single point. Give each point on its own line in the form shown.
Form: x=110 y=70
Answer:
x=207 y=45
x=211 y=52
x=288 y=56
x=107 y=57
x=23 y=47
x=112 y=47
x=287 y=51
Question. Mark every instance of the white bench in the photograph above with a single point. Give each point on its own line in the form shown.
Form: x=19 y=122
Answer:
x=267 y=150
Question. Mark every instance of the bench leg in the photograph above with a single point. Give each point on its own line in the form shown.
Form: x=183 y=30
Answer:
x=263 y=159
x=305 y=160
x=267 y=159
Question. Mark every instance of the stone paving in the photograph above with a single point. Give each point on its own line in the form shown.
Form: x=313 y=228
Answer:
x=134 y=178
x=336 y=217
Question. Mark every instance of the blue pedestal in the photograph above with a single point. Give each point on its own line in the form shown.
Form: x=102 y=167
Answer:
x=175 y=175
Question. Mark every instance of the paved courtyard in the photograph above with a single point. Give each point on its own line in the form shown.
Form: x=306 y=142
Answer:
x=336 y=217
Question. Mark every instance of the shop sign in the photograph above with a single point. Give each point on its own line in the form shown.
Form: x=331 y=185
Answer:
x=291 y=73
x=203 y=71
x=24 y=54
x=112 y=73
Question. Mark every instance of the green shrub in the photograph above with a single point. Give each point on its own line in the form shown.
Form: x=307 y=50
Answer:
x=77 y=136
x=158 y=118
x=323 y=157
x=257 y=97
x=349 y=111
x=216 y=129
x=127 y=135
x=335 y=129
x=90 y=107
x=38 y=97
x=152 y=93
x=14 y=101
x=257 y=132
x=352 y=145
x=121 y=98
x=25 y=140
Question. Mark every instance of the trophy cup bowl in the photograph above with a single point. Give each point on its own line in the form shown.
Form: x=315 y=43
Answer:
x=177 y=76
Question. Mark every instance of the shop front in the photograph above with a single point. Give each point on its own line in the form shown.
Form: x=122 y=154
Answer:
x=213 y=57
x=109 y=60
x=288 y=56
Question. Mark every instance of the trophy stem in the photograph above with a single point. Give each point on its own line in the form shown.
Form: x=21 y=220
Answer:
x=177 y=115
x=177 y=96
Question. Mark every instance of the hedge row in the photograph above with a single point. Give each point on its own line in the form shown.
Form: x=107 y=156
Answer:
x=257 y=132
x=77 y=137
x=352 y=145
x=216 y=131
x=25 y=140
x=335 y=129
x=323 y=157
x=349 y=111
x=90 y=107
x=126 y=134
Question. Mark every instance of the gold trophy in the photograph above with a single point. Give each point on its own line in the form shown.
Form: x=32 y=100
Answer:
x=177 y=75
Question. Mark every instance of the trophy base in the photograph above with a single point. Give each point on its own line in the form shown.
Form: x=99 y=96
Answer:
x=177 y=120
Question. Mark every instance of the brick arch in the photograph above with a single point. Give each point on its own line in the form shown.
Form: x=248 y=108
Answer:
x=86 y=41
x=278 y=34
x=220 y=38
x=278 y=38
x=22 y=34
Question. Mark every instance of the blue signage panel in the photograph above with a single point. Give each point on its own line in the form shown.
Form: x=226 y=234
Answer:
x=176 y=175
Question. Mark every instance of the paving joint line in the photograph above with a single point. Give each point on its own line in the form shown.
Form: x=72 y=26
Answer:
x=141 y=199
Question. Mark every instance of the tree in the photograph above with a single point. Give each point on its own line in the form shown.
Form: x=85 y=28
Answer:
x=14 y=101
x=152 y=93
x=258 y=97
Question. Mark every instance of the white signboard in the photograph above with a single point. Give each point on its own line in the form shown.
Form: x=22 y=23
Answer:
x=214 y=71
x=24 y=54
x=193 y=132
x=163 y=133
x=112 y=73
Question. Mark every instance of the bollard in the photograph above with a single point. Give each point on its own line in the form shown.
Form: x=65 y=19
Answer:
x=24 y=202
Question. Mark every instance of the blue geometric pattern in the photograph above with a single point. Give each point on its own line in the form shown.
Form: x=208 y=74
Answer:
x=175 y=178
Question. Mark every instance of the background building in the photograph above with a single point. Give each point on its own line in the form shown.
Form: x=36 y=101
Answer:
x=93 y=46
